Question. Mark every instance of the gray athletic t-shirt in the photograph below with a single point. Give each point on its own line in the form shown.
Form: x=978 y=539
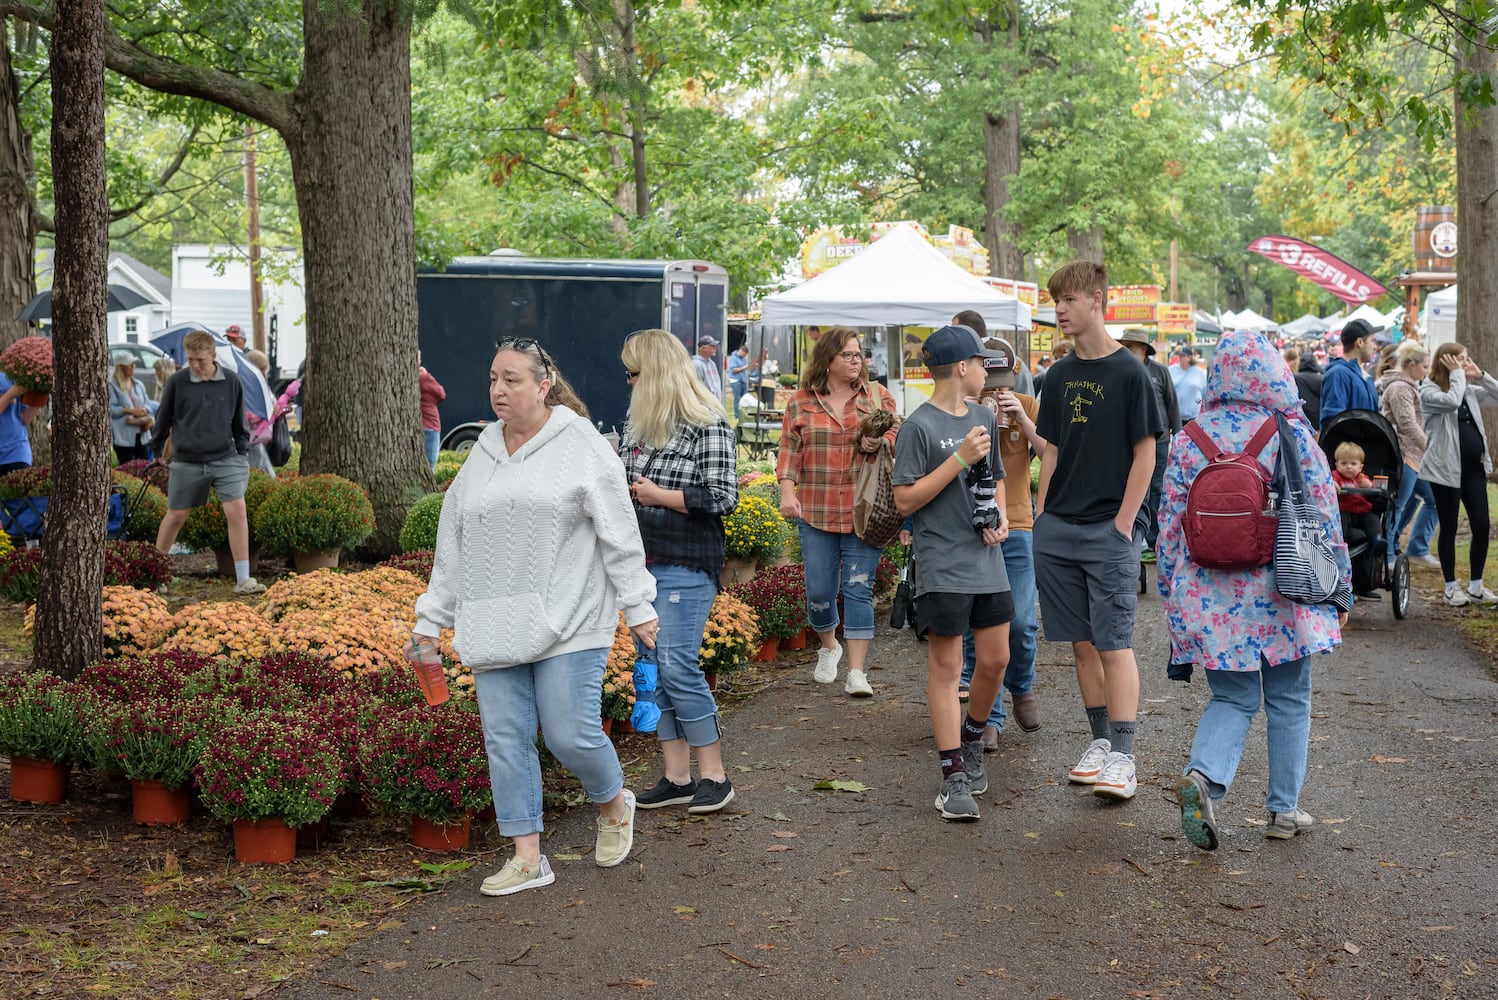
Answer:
x=952 y=556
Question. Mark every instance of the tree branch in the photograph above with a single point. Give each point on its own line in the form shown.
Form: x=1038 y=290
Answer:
x=270 y=107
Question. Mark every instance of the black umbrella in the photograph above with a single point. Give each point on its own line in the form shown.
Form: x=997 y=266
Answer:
x=120 y=299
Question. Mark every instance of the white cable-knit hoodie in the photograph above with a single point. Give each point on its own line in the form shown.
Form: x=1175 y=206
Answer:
x=536 y=551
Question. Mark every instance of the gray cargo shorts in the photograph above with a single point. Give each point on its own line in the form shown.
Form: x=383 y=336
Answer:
x=1088 y=578
x=190 y=481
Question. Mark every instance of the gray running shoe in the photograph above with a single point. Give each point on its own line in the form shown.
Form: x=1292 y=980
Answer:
x=1198 y=821
x=1284 y=826
x=972 y=759
x=956 y=800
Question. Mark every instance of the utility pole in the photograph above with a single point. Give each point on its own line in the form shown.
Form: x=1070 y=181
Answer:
x=252 y=197
x=1173 y=252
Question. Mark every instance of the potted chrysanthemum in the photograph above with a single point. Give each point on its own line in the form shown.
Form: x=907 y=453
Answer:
x=313 y=519
x=430 y=764
x=42 y=732
x=154 y=742
x=268 y=773
x=730 y=639
x=28 y=364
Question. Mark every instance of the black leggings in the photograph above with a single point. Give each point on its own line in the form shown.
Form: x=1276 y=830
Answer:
x=1473 y=495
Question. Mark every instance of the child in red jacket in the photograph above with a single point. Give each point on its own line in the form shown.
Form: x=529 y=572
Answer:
x=1359 y=522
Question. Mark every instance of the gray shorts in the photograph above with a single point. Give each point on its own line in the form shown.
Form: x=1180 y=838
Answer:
x=1088 y=578
x=190 y=481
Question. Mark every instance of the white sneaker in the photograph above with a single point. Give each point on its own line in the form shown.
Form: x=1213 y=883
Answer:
x=1425 y=559
x=827 y=661
x=1086 y=770
x=1457 y=598
x=858 y=684
x=1117 y=778
x=1484 y=595
x=249 y=585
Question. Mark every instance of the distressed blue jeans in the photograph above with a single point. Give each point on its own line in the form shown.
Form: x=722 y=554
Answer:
x=1285 y=692
x=832 y=559
x=562 y=694
x=683 y=600
x=1411 y=489
x=1019 y=677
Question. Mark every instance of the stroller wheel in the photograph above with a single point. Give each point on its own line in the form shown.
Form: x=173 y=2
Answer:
x=1399 y=586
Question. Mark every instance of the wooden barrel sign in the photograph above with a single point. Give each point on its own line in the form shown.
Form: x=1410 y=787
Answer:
x=1435 y=238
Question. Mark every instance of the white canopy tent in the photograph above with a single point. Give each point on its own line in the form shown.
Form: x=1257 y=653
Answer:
x=900 y=280
x=1248 y=320
x=1367 y=314
x=1306 y=326
x=1440 y=317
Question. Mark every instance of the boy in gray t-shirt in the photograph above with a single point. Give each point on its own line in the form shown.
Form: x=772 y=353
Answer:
x=948 y=474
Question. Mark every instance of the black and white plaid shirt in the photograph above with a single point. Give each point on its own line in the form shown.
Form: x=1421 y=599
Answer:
x=699 y=461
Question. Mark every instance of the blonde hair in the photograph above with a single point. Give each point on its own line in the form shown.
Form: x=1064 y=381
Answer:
x=1410 y=352
x=1083 y=276
x=542 y=367
x=199 y=340
x=1349 y=451
x=667 y=393
x=259 y=360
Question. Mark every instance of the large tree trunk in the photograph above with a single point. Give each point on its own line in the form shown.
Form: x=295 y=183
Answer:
x=17 y=221
x=1477 y=219
x=68 y=636
x=351 y=155
x=1086 y=244
x=1001 y=162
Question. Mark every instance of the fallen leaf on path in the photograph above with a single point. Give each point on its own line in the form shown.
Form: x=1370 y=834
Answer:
x=683 y=909
x=1033 y=836
x=1389 y=760
x=784 y=834
x=392 y=966
x=778 y=817
x=764 y=947
x=840 y=786
x=634 y=984
x=778 y=849
x=1442 y=927
x=1350 y=948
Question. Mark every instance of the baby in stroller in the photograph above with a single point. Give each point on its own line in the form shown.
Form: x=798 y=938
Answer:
x=1359 y=522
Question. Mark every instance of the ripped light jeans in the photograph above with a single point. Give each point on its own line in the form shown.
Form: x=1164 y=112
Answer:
x=831 y=559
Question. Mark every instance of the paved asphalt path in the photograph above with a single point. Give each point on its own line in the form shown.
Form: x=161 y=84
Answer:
x=794 y=892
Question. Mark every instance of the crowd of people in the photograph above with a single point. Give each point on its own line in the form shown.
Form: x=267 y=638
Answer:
x=554 y=525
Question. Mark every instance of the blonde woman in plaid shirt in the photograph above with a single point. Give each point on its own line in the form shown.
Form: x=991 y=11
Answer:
x=815 y=470
x=678 y=452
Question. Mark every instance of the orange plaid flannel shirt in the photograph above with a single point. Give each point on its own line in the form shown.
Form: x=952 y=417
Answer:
x=816 y=452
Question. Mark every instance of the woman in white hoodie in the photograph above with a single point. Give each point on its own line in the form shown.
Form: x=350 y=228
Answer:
x=537 y=550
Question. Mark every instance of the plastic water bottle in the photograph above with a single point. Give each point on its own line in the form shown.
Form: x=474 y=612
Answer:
x=426 y=659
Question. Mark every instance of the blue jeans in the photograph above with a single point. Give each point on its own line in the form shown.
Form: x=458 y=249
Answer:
x=1019 y=678
x=1412 y=488
x=433 y=442
x=1236 y=694
x=831 y=558
x=562 y=693
x=683 y=599
x=737 y=389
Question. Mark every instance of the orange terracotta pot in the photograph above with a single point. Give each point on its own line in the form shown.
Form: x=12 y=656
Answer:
x=712 y=680
x=440 y=836
x=264 y=841
x=608 y=725
x=156 y=805
x=43 y=781
x=767 y=651
x=795 y=642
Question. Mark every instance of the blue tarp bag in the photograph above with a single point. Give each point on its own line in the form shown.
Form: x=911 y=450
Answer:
x=647 y=714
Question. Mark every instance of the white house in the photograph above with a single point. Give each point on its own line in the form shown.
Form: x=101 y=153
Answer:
x=211 y=285
x=135 y=326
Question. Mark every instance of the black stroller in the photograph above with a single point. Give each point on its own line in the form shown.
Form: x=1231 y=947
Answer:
x=1384 y=464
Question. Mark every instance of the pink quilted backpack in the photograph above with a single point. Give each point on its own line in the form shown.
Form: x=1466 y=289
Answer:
x=1230 y=517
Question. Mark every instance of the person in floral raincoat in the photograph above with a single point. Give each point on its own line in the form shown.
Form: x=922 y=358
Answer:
x=1255 y=645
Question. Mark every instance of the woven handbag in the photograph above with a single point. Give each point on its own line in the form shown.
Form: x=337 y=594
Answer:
x=1305 y=565
x=875 y=518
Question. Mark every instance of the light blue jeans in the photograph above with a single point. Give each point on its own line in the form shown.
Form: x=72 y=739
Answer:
x=1412 y=488
x=1285 y=691
x=830 y=559
x=1019 y=678
x=563 y=694
x=432 y=440
x=683 y=600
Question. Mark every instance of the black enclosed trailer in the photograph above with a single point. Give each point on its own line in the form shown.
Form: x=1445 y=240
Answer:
x=580 y=311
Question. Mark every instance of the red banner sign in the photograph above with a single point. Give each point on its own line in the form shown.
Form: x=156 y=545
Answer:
x=1315 y=264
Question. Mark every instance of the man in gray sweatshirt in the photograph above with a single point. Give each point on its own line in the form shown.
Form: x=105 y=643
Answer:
x=202 y=411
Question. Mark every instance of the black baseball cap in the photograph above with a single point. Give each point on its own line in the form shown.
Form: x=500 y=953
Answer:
x=952 y=344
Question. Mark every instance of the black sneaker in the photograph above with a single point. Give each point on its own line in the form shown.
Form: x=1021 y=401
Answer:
x=666 y=793
x=711 y=796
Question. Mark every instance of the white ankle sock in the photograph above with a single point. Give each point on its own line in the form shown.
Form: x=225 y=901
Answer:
x=241 y=570
x=1475 y=587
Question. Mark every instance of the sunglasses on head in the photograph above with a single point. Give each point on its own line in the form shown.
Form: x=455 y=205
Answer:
x=523 y=345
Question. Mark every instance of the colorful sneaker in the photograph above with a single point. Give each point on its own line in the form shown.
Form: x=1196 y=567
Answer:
x=858 y=684
x=666 y=793
x=972 y=759
x=711 y=796
x=518 y=876
x=1284 y=826
x=1086 y=770
x=827 y=661
x=1198 y=821
x=615 y=836
x=1116 y=780
x=249 y=585
x=956 y=800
